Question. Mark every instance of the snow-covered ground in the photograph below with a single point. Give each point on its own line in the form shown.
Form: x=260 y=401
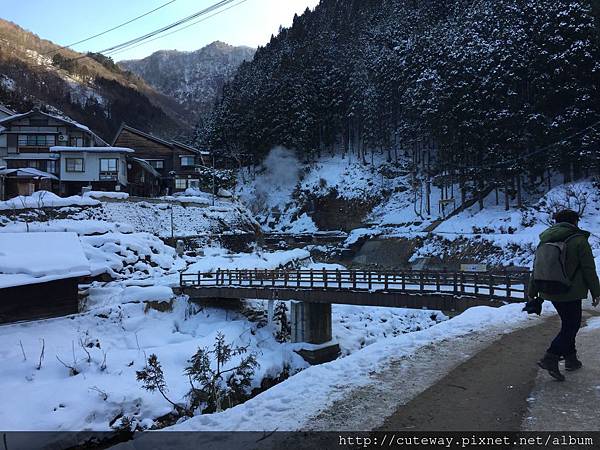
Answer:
x=293 y=403
x=119 y=333
x=180 y=216
x=514 y=233
x=119 y=330
x=111 y=339
x=118 y=339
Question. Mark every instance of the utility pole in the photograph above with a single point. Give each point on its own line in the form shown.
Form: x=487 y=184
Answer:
x=172 y=226
x=213 y=178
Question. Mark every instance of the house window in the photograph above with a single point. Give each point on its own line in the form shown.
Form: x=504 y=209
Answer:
x=180 y=183
x=36 y=140
x=75 y=141
x=51 y=167
x=157 y=164
x=194 y=183
x=74 y=165
x=109 y=168
x=187 y=161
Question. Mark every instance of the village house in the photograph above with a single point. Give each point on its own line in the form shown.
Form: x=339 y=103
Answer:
x=176 y=163
x=45 y=151
x=39 y=275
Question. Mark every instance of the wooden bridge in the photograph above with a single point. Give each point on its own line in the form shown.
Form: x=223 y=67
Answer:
x=448 y=291
x=315 y=290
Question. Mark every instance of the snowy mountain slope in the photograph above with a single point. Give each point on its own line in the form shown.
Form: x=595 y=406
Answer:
x=194 y=79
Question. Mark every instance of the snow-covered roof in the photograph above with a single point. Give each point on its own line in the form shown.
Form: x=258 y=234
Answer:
x=157 y=139
x=189 y=148
x=59 y=149
x=30 y=258
x=30 y=156
x=64 y=119
x=27 y=172
x=7 y=111
x=144 y=164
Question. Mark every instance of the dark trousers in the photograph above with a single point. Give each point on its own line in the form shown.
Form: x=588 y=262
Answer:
x=570 y=316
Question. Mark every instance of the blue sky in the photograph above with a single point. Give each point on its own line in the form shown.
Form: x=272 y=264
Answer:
x=66 y=21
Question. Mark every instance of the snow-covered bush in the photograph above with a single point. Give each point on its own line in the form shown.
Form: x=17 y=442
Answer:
x=213 y=375
x=216 y=379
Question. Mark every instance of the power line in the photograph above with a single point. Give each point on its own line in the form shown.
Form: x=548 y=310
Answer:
x=115 y=52
x=110 y=29
x=163 y=29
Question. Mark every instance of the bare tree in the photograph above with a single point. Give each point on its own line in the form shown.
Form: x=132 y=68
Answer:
x=571 y=197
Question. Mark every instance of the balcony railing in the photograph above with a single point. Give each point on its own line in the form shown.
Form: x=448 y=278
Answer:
x=109 y=176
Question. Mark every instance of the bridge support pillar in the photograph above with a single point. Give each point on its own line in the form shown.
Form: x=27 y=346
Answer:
x=311 y=323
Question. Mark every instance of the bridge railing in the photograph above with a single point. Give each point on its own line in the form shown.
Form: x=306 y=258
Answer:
x=503 y=285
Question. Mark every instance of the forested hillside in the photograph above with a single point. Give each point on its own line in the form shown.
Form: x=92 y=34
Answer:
x=91 y=89
x=488 y=88
x=195 y=79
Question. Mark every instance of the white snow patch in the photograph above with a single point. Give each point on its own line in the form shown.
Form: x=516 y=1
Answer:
x=28 y=258
x=41 y=199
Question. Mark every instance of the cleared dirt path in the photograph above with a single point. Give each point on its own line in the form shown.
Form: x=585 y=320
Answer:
x=366 y=408
x=574 y=405
x=488 y=392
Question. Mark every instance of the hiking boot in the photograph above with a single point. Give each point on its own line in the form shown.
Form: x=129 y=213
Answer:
x=550 y=363
x=572 y=363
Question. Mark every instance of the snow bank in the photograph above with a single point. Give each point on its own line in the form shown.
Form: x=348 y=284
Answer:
x=46 y=199
x=514 y=233
x=81 y=227
x=218 y=258
x=51 y=399
x=101 y=194
x=103 y=296
x=192 y=217
x=28 y=258
x=134 y=256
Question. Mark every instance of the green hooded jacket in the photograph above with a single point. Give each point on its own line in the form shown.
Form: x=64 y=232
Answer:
x=579 y=262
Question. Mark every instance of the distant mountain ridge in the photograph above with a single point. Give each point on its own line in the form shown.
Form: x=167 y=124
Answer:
x=194 y=79
x=92 y=90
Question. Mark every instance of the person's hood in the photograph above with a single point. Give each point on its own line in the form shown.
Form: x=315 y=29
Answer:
x=561 y=231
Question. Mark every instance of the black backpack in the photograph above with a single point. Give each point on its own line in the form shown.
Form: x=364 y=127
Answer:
x=549 y=267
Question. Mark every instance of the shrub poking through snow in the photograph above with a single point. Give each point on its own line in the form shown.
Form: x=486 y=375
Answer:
x=153 y=379
x=216 y=379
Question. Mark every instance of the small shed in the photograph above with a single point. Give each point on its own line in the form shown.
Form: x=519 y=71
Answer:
x=39 y=275
x=26 y=181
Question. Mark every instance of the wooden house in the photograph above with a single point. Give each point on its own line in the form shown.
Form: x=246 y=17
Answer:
x=39 y=275
x=176 y=163
x=34 y=141
x=144 y=180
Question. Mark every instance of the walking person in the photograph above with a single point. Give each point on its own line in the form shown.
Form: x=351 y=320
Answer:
x=564 y=272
